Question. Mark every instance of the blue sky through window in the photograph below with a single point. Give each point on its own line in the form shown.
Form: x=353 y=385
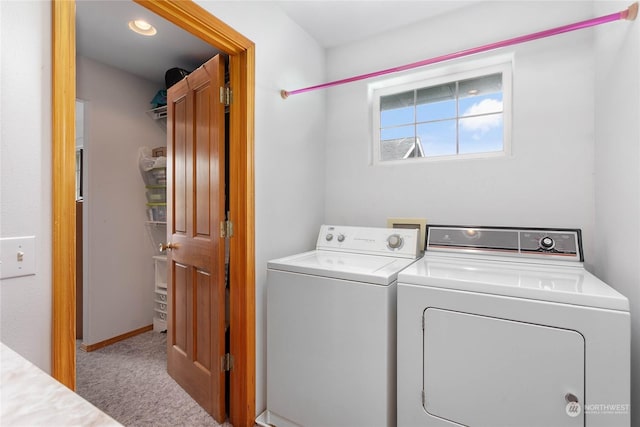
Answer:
x=474 y=125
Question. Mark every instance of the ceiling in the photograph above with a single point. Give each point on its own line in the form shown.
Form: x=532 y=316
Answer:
x=334 y=23
x=103 y=34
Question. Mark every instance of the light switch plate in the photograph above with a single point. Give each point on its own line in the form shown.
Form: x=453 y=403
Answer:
x=419 y=223
x=17 y=256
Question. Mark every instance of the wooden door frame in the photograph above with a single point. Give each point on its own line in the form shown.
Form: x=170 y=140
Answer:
x=241 y=51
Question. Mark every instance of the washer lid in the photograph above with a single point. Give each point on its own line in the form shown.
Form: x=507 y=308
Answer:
x=379 y=270
x=562 y=284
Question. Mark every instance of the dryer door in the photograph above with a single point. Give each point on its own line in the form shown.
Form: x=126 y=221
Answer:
x=484 y=371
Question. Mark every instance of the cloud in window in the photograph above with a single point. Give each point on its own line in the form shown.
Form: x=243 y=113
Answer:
x=483 y=124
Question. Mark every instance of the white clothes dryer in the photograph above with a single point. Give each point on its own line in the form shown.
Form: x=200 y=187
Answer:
x=503 y=327
x=331 y=325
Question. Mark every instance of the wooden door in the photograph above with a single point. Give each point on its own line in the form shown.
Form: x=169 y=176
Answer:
x=196 y=206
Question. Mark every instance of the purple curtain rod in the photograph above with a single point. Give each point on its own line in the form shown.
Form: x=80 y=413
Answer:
x=629 y=14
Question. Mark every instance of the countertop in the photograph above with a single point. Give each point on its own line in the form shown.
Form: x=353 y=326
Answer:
x=31 y=397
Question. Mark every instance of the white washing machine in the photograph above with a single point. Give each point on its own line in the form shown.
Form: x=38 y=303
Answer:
x=331 y=329
x=502 y=327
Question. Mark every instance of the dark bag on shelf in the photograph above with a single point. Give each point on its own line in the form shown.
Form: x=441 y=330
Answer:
x=174 y=75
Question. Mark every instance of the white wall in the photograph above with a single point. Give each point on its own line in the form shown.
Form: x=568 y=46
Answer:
x=289 y=157
x=576 y=151
x=118 y=276
x=548 y=180
x=289 y=144
x=617 y=170
x=25 y=174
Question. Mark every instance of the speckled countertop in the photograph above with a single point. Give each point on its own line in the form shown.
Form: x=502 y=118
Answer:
x=30 y=397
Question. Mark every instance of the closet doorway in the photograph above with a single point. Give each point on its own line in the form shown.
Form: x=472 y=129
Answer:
x=199 y=22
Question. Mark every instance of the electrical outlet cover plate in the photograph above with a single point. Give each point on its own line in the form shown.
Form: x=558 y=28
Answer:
x=17 y=256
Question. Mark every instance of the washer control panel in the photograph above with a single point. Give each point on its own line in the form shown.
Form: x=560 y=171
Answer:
x=401 y=243
x=564 y=244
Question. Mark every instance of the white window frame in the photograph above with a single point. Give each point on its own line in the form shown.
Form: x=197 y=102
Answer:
x=446 y=74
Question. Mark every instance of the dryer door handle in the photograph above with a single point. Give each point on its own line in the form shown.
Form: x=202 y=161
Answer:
x=570 y=397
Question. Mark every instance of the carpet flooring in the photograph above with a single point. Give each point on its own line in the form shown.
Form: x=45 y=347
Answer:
x=128 y=380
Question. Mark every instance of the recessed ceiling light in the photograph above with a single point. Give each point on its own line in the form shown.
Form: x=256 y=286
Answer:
x=473 y=92
x=142 y=27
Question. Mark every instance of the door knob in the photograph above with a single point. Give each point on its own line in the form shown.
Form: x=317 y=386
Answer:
x=167 y=246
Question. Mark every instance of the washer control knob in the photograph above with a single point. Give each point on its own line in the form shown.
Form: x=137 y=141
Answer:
x=547 y=243
x=341 y=238
x=394 y=241
x=329 y=237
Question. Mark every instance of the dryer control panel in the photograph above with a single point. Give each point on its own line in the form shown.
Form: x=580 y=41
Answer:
x=561 y=244
x=396 y=242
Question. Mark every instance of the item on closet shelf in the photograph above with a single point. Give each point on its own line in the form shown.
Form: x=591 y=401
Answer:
x=160 y=294
x=160 y=175
x=159 y=99
x=159 y=152
x=152 y=169
x=157 y=212
x=174 y=75
x=157 y=193
x=155 y=177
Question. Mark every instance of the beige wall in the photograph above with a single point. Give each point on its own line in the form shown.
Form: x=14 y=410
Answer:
x=118 y=269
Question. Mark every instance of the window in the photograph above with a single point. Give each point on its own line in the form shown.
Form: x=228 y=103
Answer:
x=466 y=114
